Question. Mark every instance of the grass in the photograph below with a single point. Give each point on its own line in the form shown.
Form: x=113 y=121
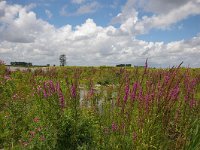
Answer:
x=133 y=108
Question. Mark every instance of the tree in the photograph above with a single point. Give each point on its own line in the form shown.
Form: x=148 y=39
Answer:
x=63 y=60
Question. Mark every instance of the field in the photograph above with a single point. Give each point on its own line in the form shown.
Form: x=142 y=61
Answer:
x=100 y=108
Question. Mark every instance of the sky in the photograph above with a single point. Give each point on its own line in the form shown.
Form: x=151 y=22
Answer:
x=101 y=32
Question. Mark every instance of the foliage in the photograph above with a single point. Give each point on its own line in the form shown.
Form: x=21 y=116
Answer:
x=100 y=108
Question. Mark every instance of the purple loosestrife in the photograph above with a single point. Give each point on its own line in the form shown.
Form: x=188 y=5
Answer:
x=57 y=86
x=140 y=96
x=126 y=92
x=45 y=93
x=73 y=91
x=159 y=91
x=147 y=100
x=190 y=88
x=133 y=93
x=174 y=93
x=166 y=79
x=60 y=95
x=52 y=87
x=61 y=99
x=192 y=103
x=114 y=127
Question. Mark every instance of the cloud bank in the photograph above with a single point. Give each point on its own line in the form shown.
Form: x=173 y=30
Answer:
x=24 y=37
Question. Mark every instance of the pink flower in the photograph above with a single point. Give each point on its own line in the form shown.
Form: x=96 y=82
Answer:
x=133 y=94
x=39 y=129
x=126 y=93
x=192 y=103
x=174 y=93
x=36 y=119
x=32 y=133
x=114 y=126
x=45 y=93
x=61 y=98
x=73 y=91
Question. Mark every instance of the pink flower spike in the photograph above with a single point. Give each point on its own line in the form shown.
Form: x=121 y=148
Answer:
x=73 y=91
x=114 y=126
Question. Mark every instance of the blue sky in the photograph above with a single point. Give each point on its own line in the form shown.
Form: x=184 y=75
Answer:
x=101 y=32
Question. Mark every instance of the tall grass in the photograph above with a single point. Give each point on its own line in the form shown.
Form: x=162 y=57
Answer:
x=100 y=108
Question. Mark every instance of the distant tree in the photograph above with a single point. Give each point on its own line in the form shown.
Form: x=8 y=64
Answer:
x=63 y=60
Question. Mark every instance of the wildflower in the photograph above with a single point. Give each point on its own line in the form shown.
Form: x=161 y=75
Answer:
x=133 y=94
x=73 y=91
x=39 y=89
x=126 y=92
x=15 y=96
x=167 y=78
x=52 y=87
x=32 y=133
x=61 y=98
x=114 y=126
x=36 y=119
x=39 y=129
x=174 y=93
x=147 y=102
x=45 y=93
x=192 y=103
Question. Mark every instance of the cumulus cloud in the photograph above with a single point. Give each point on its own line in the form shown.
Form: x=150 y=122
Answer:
x=128 y=11
x=163 y=21
x=20 y=25
x=24 y=37
x=167 y=13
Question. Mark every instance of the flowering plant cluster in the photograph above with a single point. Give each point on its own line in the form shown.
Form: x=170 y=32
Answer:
x=100 y=108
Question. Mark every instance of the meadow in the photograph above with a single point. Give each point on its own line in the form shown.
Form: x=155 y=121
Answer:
x=111 y=108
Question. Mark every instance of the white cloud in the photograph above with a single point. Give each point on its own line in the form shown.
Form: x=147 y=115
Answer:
x=164 y=21
x=78 y=1
x=87 y=8
x=161 y=6
x=24 y=37
x=48 y=13
x=20 y=25
x=128 y=11
x=176 y=11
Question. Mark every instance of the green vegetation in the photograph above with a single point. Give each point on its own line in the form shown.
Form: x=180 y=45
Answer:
x=100 y=108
